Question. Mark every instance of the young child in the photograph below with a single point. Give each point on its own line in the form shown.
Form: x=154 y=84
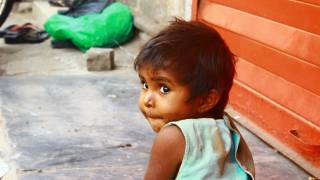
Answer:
x=186 y=73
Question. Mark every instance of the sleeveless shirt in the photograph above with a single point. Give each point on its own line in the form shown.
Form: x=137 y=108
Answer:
x=210 y=150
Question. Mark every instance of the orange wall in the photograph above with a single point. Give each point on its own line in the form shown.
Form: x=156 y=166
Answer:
x=278 y=72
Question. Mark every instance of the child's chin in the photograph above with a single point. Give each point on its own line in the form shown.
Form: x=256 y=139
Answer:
x=156 y=126
x=156 y=129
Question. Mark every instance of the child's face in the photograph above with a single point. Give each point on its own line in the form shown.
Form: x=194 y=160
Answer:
x=163 y=99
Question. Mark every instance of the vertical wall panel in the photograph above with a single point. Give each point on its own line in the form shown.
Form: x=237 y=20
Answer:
x=278 y=81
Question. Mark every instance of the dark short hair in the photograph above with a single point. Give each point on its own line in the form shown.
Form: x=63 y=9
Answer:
x=198 y=56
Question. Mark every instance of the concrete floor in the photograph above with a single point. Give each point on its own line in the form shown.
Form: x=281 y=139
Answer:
x=66 y=123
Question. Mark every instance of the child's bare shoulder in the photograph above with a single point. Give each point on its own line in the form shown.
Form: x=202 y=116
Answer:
x=166 y=154
x=171 y=137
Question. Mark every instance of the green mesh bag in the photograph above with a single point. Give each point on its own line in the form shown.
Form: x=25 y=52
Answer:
x=112 y=27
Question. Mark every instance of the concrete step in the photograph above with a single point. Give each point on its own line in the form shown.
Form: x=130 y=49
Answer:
x=41 y=10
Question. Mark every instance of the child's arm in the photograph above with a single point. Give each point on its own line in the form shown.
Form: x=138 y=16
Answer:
x=166 y=154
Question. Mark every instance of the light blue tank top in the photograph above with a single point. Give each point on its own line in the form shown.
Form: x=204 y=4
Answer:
x=209 y=151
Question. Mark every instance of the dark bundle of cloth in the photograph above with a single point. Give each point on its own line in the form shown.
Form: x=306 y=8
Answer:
x=82 y=7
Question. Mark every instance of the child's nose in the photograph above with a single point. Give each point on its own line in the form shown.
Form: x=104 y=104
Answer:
x=149 y=99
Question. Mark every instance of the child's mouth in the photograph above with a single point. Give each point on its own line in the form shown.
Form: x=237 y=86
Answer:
x=149 y=116
x=152 y=117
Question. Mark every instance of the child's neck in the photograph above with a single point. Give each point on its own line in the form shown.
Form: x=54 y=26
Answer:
x=205 y=115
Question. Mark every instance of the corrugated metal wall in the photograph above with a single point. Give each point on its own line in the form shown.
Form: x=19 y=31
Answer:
x=278 y=72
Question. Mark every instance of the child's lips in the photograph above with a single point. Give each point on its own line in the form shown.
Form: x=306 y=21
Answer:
x=154 y=118
x=151 y=116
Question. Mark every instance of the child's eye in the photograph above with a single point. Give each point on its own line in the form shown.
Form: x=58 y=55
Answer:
x=164 y=89
x=145 y=85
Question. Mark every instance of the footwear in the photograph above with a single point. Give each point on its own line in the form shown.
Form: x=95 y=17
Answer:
x=10 y=29
x=27 y=33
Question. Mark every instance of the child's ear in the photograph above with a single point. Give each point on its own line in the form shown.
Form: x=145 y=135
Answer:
x=208 y=101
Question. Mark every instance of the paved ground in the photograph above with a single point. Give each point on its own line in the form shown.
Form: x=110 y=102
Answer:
x=76 y=126
x=66 y=123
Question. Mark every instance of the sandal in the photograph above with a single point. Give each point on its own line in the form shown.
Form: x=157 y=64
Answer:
x=9 y=30
x=27 y=33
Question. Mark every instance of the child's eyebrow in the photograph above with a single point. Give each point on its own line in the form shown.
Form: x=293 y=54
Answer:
x=158 y=79
x=162 y=79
